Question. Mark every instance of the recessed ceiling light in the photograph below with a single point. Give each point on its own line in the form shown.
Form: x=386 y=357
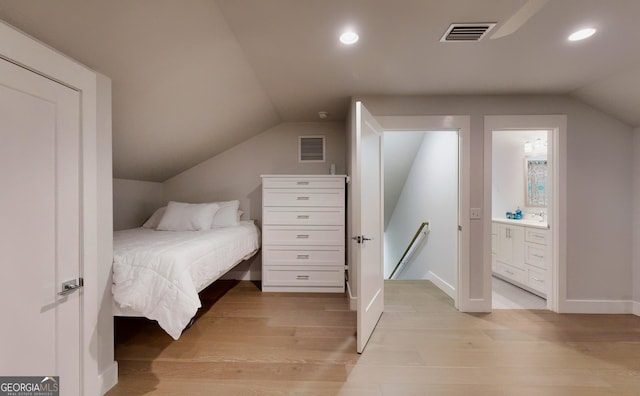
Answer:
x=349 y=37
x=582 y=34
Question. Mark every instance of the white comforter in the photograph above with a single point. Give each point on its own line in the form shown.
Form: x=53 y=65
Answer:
x=159 y=273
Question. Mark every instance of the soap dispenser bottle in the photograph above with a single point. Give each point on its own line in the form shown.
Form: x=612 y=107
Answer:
x=518 y=214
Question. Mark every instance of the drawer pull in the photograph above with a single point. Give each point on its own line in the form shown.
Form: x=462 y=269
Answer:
x=302 y=277
x=302 y=236
x=509 y=272
x=537 y=279
x=537 y=236
x=303 y=183
x=538 y=256
x=303 y=256
x=302 y=216
x=302 y=198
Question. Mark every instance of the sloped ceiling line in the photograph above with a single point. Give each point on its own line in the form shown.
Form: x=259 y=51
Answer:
x=518 y=19
x=194 y=78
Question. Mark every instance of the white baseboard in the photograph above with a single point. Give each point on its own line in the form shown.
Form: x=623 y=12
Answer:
x=442 y=284
x=474 y=305
x=108 y=378
x=598 y=306
x=636 y=308
x=353 y=301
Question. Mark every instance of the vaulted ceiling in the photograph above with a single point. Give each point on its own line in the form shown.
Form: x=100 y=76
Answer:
x=193 y=78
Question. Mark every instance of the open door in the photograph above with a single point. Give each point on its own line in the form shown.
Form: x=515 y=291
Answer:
x=367 y=220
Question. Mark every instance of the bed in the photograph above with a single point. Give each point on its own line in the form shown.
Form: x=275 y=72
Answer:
x=159 y=273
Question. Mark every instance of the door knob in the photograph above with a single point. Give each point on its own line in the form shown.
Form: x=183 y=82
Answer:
x=69 y=287
x=361 y=238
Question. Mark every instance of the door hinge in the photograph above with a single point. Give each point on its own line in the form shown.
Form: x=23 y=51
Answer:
x=459 y=228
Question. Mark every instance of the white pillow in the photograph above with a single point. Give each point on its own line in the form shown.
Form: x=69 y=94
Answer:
x=181 y=216
x=227 y=215
x=154 y=220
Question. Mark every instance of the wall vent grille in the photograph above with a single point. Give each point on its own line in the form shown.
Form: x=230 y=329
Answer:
x=466 y=32
x=311 y=148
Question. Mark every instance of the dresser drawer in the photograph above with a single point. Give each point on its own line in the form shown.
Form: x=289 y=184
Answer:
x=303 y=256
x=303 y=216
x=536 y=235
x=535 y=254
x=303 y=235
x=307 y=276
x=303 y=197
x=302 y=182
x=537 y=280
x=510 y=272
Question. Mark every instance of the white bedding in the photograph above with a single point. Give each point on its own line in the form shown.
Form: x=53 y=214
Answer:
x=159 y=273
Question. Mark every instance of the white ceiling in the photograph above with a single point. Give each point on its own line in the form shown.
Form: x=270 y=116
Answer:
x=193 y=78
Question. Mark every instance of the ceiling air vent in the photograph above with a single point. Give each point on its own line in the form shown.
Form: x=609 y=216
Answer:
x=311 y=148
x=466 y=31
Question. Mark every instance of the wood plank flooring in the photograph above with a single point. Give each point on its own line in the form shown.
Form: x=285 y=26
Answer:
x=245 y=342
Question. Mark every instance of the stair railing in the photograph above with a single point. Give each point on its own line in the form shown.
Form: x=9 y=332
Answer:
x=423 y=230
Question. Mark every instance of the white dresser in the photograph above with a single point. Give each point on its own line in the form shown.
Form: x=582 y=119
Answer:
x=303 y=233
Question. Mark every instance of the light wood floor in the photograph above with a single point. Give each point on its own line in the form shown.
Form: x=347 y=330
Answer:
x=253 y=343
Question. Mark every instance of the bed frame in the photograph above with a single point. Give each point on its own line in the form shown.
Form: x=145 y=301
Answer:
x=118 y=310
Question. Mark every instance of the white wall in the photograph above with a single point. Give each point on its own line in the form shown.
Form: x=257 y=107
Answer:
x=507 y=176
x=104 y=338
x=235 y=173
x=430 y=193
x=599 y=178
x=508 y=172
x=599 y=206
x=400 y=149
x=636 y=219
x=134 y=201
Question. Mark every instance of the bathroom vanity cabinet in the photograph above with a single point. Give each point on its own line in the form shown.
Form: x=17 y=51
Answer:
x=520 y=254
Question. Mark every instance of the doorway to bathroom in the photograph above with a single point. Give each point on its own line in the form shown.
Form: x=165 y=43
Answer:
x=521 y=183
x=544 y=261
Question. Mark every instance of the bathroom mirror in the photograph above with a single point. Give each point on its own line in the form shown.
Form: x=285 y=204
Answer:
x=536 y=180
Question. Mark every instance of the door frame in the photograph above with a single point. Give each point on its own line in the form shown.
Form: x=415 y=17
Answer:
x=96 y=230
x=557 y=125
x=462 y=125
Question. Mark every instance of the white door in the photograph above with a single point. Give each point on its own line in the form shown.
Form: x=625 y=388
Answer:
x=368 y=224
x=40 y=234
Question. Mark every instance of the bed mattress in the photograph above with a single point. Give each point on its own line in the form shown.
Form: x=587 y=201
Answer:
x=159 y=273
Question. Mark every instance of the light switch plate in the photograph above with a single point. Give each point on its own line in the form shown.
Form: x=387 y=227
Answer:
x=475 y=213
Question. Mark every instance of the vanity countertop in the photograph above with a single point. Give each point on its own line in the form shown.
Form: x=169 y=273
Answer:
x=523 y=222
